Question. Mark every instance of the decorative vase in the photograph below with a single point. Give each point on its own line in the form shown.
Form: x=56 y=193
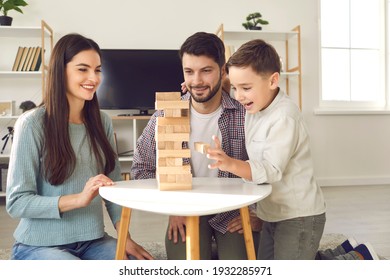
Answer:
x=5 y=20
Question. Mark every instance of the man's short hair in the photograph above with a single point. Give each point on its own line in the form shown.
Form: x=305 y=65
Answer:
x=207 y=44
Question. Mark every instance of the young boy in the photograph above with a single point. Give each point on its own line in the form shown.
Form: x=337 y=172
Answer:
x=277 y=142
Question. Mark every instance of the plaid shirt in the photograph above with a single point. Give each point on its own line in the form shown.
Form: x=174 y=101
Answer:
x=231 y=126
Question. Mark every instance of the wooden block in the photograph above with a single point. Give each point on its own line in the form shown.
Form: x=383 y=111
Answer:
x=160 y=129
x=173 y=129
x=169 y=161
x=174 y=161
x=182 y=128
x=161 y=137
x=161 y=162
x=180 y=104
x=174 y=186
x=175 y=170
x=171 y=124
x=165 y=96
x=170 y=133
x=169 y=129
x=166 y=178
x=169 y=145
x=173 y=113
x=165 y=129
x=162 y=121
x=184 y=179
x=184 y=153
x=175 y=182
x=201 y=147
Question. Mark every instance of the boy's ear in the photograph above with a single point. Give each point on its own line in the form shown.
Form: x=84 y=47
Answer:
x=274 y=79
x=223 y=71
x=225 y=79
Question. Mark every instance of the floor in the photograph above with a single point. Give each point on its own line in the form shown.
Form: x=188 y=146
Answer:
x=359 y=211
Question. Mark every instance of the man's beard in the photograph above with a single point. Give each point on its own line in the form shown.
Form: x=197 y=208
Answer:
x=211 y=94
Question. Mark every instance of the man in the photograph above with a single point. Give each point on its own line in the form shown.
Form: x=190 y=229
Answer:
x=212 y=112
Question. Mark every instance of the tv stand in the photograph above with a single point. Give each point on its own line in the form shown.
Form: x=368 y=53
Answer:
x=143 y=112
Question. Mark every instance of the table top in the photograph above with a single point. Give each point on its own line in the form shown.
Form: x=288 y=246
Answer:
x=208 y=196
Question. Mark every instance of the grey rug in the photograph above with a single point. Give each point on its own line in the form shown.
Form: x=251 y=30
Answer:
x=157 y=249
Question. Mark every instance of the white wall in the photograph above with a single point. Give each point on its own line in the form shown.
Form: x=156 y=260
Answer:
x=349 y=149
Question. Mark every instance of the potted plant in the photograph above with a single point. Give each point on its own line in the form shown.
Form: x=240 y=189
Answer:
x=7 y=5
x=253 y=22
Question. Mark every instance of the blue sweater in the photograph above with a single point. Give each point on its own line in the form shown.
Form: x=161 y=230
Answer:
x=35 y=201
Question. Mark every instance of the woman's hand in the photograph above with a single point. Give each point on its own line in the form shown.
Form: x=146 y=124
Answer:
x=91 y=188
x=134 y=249
x=83 y=199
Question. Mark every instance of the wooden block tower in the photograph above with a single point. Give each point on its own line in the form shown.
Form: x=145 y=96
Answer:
x=171 y=130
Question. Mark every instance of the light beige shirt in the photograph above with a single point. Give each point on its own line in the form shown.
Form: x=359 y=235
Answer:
x=278 y=146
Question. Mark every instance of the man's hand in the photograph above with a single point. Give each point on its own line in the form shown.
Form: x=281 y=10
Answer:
x=236 y=224
x=177 y=226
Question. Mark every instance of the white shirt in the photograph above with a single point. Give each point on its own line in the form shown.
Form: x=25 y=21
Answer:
x=278 y=146
x=203 y=127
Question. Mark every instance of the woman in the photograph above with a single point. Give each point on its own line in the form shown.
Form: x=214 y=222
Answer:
x=62 y=153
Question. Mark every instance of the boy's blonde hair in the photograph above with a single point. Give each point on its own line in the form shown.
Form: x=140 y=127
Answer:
x=259 y=55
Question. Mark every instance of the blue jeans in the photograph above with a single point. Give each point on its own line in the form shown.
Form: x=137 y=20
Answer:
x=294 y=239
x=99 y=249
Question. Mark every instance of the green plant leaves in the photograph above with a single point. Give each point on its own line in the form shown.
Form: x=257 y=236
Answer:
x=253 y=20
x=7 y=5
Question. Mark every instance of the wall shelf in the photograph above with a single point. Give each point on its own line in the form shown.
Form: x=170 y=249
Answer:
x=23 y=31
x=232 y=36
x=44 y=33
x=23 y=74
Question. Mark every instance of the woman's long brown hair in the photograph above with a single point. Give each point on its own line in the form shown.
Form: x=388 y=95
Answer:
x=59 y=158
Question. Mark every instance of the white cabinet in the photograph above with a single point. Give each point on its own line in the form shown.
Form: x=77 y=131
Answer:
x=288 y=45
x=3 y=173
x=19 y=86
x=11 y=37
x=127 y=130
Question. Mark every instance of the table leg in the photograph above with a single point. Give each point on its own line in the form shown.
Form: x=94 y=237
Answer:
x=192 y=238
x=248 y=237
x=122 y=233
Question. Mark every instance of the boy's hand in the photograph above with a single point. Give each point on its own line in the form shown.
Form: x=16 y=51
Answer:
x=222 y=160
x=183 y=87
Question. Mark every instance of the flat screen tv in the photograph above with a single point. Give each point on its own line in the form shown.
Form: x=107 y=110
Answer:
x=131 y=77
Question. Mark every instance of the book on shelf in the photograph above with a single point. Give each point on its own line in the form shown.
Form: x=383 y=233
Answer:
x=36 y=64
x=17 y=58
x=23 y=59
x=28 y=59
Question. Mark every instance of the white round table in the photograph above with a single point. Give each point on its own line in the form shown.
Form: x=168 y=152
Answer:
x=207 y=196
